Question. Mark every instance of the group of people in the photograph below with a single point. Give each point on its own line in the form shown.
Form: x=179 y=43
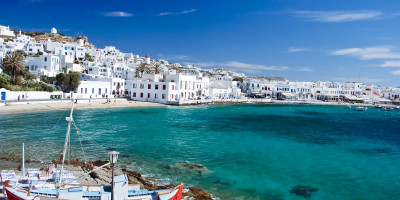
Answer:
x=23 y=97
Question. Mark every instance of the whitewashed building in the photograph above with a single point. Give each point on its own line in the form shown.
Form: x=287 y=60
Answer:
x=5 y=31
x=48 y=65
x=151 y=88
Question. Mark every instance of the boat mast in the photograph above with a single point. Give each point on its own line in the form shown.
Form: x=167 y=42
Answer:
x=23 y=160
x=70 y=121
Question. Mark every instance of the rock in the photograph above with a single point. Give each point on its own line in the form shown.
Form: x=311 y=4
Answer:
x=193 y=166
x=197 y=193
x=189 y=167
x=304 y=191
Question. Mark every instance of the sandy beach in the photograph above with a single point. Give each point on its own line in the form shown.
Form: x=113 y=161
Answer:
x=17 y=107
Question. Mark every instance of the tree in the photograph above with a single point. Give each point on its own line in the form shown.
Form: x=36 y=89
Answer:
x=13 y=65
x=143 y=67
x=240 y=79
x=38 y=54
x=88 y=57
x=68 y=82
x=157 y=69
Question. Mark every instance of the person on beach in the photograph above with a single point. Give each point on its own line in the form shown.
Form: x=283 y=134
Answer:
x=61 y=157
x=19 y=97
x=55 y=163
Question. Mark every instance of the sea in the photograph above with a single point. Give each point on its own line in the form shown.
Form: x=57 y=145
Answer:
x=249 y=151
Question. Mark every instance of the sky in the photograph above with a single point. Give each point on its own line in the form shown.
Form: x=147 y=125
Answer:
x=301 y=40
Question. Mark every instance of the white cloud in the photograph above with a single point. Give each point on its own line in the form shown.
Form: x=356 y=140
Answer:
x=117 y=14
x=336 y=16
x=173 y=57
x=177 y=13
x=361 y=79
x=378 y=52
x=392 y=63
x=397 y=72
x=305 y=69
x=294 y=49
x=241 y=66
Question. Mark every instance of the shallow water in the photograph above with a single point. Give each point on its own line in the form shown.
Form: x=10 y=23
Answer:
x=253 y=150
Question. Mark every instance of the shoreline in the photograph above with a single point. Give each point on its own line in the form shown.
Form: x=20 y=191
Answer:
x=31 y=106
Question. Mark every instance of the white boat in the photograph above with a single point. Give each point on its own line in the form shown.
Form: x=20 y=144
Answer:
x=377 y=106
x=361 y=108
x=63 y=189
x=387 y=108
x=8 y=175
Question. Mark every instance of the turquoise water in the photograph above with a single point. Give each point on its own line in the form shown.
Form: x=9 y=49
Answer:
x=251 y=151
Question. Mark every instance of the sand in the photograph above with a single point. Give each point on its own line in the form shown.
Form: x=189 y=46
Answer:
x=18 y=107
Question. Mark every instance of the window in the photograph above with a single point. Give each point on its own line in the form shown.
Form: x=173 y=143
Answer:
x=173 y=87
x=155 y=95
x=99 y=91
x=45 y=58
x=134 y=94
x=163 y=96
x=66 y=48
x=141 y=95
x=106 y=90
x=134 y=85
x=149 y=87
x=172 y=96
x=90 y=69
x=85 y=90
x=81 y=90
x=148 y=95
x=156 y=87
x=164 y=87
x=114 y=83
x=141 y=86
x=92 y=90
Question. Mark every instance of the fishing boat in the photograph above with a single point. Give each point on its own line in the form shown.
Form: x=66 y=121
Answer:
x=387 y=108
x=377 y=106
x=64 y=189
x=361 y=108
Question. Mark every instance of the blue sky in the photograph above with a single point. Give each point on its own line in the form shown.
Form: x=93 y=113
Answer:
x=337 y=40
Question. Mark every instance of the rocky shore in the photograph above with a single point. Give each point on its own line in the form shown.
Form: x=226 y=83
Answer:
x=103 y=176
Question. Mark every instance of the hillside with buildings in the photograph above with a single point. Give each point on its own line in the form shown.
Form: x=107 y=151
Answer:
x=107 y=72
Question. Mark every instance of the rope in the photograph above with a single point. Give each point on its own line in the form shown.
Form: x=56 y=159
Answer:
x=91 y=140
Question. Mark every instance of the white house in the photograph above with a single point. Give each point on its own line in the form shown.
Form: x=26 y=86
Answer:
x=53 y=30
x=94 y=89
x=48 y=65
x=150 y=88
x=5 y=31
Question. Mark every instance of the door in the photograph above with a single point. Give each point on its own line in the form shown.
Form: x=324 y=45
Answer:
x=3 y=96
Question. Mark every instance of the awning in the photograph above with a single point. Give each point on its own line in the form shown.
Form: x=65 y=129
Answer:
x=287 y=94
x=384 y=100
